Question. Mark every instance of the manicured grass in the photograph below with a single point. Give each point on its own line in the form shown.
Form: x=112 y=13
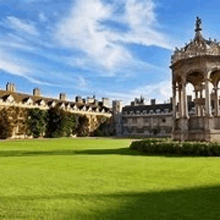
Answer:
x=104 y=179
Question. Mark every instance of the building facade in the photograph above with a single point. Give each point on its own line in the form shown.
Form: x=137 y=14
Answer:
x=90 y=107
x=154 y=120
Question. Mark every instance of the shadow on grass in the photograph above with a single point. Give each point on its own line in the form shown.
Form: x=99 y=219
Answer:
x=118 y=151
x=20 y=153
x=190 y=204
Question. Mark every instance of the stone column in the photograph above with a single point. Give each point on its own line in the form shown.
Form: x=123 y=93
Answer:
x=197 y=107
x=174 y=101
x=184 y=101
x=183 y=123
x=201 y=105
x=216 y=101
x=180 y=99
x=207 y=99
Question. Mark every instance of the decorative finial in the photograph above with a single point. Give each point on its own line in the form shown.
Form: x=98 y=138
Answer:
x=198 y=24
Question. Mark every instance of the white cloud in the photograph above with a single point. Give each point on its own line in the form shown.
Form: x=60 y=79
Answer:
x=82 y=29
x=140 y=17
x=161 y=91
x=33 y=1
x=21 y=25
x=81 y=82
x=12 y=67
x=16 y=42
x=42 y=17
x=139 y=14
x=17 y=67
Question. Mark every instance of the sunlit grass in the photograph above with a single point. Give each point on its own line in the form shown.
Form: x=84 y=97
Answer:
x=103 y=179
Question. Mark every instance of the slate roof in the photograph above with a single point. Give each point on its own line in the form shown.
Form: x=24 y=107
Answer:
x=154 y=108
x=21 y=97
x=147 y=108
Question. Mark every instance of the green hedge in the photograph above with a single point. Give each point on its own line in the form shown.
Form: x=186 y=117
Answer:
x=163 y=146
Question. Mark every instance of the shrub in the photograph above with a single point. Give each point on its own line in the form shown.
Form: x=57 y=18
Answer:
x=163 y=146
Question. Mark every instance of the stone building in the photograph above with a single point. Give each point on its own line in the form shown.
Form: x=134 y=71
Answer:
x=90 y=107
x=198 y=64
x=139 y=119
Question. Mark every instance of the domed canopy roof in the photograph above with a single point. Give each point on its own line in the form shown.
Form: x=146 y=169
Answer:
x=197 y=47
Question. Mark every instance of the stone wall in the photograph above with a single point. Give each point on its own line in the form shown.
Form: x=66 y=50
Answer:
x=147 y=125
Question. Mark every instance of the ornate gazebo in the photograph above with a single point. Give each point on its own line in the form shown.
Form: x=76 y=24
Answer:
x=198 y=63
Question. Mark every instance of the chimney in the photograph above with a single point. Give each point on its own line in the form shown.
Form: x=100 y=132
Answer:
x=63 y=96
x=78 y=99
x=96 y=102
x=106 y=102
x=36 y=92
x=153 y=101
x=10 y=87
x=90 y=100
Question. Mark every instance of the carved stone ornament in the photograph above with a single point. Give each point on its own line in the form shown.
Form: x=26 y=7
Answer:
x=197 y=47
x=198 y=24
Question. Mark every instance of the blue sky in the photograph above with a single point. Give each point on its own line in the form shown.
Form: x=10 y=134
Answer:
x=119 y=49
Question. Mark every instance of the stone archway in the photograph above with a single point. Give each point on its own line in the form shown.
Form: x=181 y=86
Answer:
x=197 y=79
x=214 y=79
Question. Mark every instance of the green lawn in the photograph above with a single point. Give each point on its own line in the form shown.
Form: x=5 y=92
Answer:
x=103 y=179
